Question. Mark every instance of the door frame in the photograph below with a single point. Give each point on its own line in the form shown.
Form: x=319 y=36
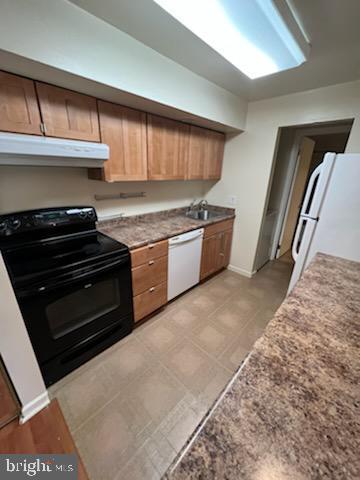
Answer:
x=293 y=166
x=291 y=193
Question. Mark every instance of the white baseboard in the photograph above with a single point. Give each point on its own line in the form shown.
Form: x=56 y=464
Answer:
x=241 y=271
x=33 y=407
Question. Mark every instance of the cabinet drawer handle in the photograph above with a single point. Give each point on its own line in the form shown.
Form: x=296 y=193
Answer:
x=151 y=245
x=152 y=289
x=151 y=262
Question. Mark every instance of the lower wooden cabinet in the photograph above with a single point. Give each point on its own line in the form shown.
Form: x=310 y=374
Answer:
x=216 y=248
x=149 y=301
x=149 y=267
x=149 y=278
x=9 y=408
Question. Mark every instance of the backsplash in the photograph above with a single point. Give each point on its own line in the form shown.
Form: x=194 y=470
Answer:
x=23 y=188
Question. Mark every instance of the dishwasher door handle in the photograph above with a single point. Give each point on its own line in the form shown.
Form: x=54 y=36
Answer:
x=186 y=238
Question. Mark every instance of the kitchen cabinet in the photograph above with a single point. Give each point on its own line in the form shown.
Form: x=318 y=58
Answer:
x=9 y=408
x=68 y=114
x=124 y=130
x=19 y=109
x=206 y=150
x=208 y=256
x=216 y=248
x=167 y=143
x=149 y=267
x=197 y=153
x=215 y=154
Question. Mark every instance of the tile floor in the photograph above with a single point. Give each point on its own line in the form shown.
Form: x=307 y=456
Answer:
x=132 y=408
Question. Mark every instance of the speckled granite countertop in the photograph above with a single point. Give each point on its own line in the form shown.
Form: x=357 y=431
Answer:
x=293 y=409
x=138 y=230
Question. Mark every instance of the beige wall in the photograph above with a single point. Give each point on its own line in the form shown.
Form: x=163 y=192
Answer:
x=61 y=35
x=36 y=187
x=249 y=156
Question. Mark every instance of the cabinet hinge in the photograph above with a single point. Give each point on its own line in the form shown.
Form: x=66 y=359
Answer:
x=43 y=128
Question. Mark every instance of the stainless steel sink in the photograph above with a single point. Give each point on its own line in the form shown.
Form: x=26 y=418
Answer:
x=201 y=214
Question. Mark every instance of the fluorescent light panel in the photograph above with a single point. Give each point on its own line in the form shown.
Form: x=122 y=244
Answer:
x=250 y=34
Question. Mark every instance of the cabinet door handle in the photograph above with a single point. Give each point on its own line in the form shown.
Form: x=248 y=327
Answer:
x=151 y=262
x=152 y=289
x=151 y=245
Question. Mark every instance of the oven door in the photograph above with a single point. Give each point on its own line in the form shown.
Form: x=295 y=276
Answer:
x=65 y=313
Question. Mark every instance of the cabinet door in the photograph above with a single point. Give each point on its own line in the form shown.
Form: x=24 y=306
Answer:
x=124 y=130
x=9 y=408
x=68 y=114
x=197 y=153
x=223 y=249
x=209 y=256
x=167 y=142
x=214 y=155
x=19 y=109
x=227 y=247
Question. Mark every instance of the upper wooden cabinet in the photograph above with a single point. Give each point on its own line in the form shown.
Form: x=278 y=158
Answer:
x=215 y=154
x=142 y=146
x=124 y=130
x=206 y=150
x=197 y=153
x=68 y=114
x=168 y=144
x=19 y=110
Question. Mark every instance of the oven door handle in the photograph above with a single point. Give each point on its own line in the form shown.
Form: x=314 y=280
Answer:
x=74 y=278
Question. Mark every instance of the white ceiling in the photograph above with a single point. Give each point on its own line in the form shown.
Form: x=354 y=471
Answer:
x=333 y=27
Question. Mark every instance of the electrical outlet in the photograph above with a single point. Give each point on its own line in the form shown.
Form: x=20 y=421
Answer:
x=232 y=200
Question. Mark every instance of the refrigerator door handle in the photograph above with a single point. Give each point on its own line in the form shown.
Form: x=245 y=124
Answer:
x=295 y=249
x=308 y=195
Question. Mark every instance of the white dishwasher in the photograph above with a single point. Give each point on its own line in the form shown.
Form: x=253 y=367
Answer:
x=184 y=262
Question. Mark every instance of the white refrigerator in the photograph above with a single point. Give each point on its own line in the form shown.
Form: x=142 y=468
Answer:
x=329 y=220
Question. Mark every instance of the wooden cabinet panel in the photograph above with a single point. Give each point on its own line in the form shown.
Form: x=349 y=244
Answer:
x=149 y=301
x=215 y=154
x=218 y=227
x=19 y=109
x=149 y=274
x=149 y=252
x=9 y=408
x=168 y=148
x=223 y=249
x=197 y=153
x=227 y=247
x=208 y=256
x=206 y=151
x=216 y=248
x=68 y=114
x=124 y=130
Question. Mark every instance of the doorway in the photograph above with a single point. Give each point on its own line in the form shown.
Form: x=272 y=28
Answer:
x=299 y=151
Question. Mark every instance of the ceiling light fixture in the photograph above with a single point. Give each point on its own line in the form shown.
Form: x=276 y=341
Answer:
x=258 y=37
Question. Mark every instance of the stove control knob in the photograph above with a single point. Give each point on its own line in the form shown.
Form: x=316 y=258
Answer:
x=15 y=223
x=3 y=226
x=91 y=214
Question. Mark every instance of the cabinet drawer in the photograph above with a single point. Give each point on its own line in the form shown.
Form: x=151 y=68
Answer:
x=149 y=301
x=149 y=274
x=149 y=252
x=218 y=227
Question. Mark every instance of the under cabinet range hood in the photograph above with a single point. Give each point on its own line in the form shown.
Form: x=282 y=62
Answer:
x=31 y=150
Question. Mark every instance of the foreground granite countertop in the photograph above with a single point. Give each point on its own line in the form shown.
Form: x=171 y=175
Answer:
x=139 y=230
x=292 y=411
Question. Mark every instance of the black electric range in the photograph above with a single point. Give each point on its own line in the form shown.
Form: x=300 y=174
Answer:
x=72 y=283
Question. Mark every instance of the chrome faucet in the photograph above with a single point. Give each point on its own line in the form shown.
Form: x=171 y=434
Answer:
x=191 y=207
x=202 y=205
